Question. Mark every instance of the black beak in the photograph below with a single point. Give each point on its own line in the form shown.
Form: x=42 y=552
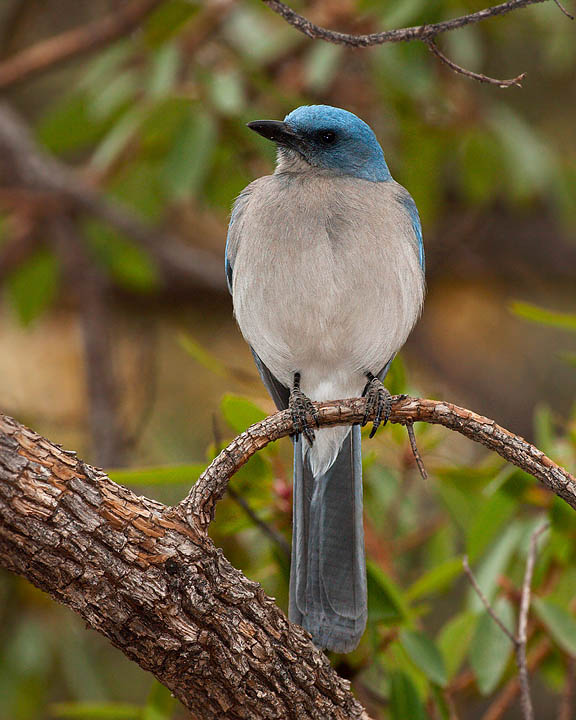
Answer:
x=277 y=131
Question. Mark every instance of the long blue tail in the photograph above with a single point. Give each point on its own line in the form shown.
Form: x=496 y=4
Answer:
x=328 y=570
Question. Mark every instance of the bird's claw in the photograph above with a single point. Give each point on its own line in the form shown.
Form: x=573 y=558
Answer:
x=301 y=408
x=379 y=402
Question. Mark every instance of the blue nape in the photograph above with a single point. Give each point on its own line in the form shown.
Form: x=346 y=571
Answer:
x=354 y=149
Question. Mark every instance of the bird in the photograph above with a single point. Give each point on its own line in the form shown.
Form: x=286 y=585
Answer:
x=325 y=264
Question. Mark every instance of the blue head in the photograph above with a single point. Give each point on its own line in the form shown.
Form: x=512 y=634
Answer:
x=329 y=138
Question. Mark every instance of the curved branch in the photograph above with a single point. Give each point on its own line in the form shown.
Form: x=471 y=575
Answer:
x=416 y=32
x=426 y=33
x=434 y=49
x=211 y=485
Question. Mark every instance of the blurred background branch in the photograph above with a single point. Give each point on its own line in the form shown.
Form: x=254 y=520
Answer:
x=66 y=46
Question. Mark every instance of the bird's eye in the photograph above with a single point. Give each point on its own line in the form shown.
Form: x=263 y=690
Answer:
x=327 y=136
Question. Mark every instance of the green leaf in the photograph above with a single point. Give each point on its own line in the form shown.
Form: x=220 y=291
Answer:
x=120 y=90
x=160 y=704
x=202 y=356
x=385 y=601
x=435 y=580
x=162 y=475
x=490 y=648
x=239 y=412
x=559 y=621
x=168 y=20
x=529 y=160
x=402 y=12
x=535 y=314
x=544 y=428
x=405 y=703
x=164 y=70
x=187 y=161
x=322 y=65
x=494 y=564
x=107 y=64
x=441 y=703
x=492 y=514
x=68 y=125
x=454 y=640
x=480 y=165
x=95 y=711
x=227 y=92
x=33 y=286
x=131 y=266
x=424 y=653
x=116 y=140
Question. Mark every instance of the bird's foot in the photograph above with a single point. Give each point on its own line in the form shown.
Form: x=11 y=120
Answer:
x=302 y=408
x=378 y=401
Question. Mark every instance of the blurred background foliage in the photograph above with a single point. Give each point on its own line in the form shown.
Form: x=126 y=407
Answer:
x=136 y=362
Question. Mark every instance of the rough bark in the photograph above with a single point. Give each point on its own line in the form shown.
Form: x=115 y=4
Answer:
x=150 y=579
x=157 y=588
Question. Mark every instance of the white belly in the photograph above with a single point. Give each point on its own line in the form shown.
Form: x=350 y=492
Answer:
x=326 y=284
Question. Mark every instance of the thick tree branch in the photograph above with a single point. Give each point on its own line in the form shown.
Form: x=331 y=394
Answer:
x=56 y=50
x=158 y=589
x=426 y=33
x=149 y=578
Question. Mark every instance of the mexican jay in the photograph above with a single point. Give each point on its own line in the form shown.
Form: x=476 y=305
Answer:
x=325 y=263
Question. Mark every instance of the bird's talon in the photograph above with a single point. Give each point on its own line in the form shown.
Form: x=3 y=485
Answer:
x=379 y=401
x=301 y=407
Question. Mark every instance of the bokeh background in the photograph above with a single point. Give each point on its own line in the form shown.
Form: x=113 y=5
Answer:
x=118 y=168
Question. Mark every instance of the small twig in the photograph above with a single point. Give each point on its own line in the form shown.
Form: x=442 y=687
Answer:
x=563 y=9
x=469 y=73
x=520 y=639
x=506 y=697
x=520 y=648
x=426 y=33
x=485 y=601
x=415 y=452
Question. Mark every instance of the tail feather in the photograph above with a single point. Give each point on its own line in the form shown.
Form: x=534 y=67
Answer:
x=328 y=571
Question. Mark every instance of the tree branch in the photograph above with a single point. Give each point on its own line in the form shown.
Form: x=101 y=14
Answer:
x=56 y=50
x=426 y=33
x=469 y=73
x=486 y=603
x=158 y=589
x=520 y=639
x=149 y=578
x=212 y=484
